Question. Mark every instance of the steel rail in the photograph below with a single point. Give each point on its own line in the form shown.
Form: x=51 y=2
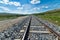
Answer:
x=15 y=28
x=50 y=29
x=26 y=34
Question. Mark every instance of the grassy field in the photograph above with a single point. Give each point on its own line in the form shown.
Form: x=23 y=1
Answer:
x=6 y=16
x=52 y=16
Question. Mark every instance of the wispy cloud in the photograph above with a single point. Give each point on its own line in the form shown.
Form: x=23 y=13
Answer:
x=19 y=8
x=14 y=3
x=35 y=1
x=44 y=7
x=7 y=2
x=4 y=8
x=28 y=6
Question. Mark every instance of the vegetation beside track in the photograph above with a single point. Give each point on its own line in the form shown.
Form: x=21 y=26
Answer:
x=5 y=16
x=52 y=16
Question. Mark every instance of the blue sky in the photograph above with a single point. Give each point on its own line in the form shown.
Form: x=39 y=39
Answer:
x=28 y=6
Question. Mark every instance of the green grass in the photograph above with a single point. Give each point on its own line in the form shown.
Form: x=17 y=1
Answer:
x=52 y=16
x=9 y=16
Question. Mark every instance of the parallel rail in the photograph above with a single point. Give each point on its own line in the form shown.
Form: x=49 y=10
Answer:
x=26 y=34
x=27 y=31
x=11 y=32
x=50 y=29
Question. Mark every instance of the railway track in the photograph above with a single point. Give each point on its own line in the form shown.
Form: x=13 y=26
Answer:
x=31 y=28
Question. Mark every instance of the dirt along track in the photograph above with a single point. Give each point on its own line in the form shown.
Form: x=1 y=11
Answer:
x=9 y=23
x=40 y=30
x=31 y=28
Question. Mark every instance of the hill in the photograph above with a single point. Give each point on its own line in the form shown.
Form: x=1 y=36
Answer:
x=52 y=16
x=5 y=16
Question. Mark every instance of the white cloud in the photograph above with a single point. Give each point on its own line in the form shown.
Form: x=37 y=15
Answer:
x=27 y=6
x=36 y=8
x=10 y=2
x=4 y=8
x=15 y=11
x=20 y=8
x=35 y=1
x=1 y=1
x=45 y=7
x=19 y=12
x=14 y=3
x=5 y=1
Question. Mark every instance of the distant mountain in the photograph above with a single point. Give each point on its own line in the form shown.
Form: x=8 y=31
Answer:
x=49 y=12
x=11 y=14
x=53 y=11
x=52 y=16
x=5 y=13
